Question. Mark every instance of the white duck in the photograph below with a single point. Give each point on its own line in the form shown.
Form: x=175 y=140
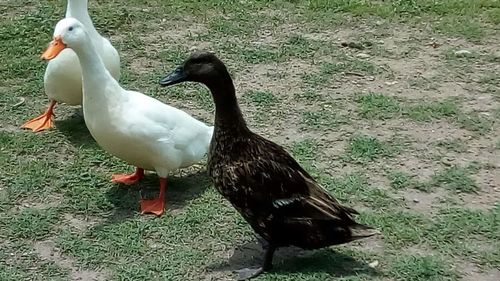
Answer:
x=63 y=76
x=136 y=128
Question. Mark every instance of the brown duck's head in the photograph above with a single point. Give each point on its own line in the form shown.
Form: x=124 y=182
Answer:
x=202 y=66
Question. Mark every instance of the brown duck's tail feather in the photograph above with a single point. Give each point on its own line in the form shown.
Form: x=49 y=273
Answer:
x=360 y=231
x=349 y=210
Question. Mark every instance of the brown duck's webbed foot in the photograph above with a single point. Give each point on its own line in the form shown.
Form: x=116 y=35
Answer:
x=248 y=273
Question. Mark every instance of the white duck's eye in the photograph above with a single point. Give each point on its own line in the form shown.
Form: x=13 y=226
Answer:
x=70 y=28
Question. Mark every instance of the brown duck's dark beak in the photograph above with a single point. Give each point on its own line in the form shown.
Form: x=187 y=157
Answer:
x=177 y=76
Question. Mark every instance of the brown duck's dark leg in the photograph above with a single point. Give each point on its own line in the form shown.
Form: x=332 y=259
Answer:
x=263 y=242
x=248 y=273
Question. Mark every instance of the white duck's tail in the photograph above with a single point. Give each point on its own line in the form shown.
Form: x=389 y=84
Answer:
x=210 y=132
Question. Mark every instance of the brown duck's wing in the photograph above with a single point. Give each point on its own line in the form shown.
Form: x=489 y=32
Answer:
x=266 y=180
x=319 y=220
x=318 y=205
x=269 y=174
x=284 y=203
x=266 y=149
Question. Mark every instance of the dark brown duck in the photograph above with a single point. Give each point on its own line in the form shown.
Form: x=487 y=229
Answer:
x=274 y=194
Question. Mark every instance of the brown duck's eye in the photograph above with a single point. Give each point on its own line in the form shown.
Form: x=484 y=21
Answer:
x=70 y=28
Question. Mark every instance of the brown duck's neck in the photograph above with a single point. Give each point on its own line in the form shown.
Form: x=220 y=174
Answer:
x=228 y=115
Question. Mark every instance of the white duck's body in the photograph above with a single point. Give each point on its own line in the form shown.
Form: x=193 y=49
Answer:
x=63 y=75
x=136 y=128
x=139 y=129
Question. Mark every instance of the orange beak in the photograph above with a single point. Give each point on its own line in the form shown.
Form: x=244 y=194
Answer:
x=55 y=47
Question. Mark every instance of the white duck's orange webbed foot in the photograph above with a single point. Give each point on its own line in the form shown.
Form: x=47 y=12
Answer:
x=42 y=122
x=157 y=205
x=128 y=178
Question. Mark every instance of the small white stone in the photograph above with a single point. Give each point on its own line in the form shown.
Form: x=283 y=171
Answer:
x=416 y=200
x=462 y=53
x=373 y=264
x=363 y=56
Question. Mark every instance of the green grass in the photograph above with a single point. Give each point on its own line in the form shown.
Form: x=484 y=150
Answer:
x=343 y=65
x=26 y=265
x=266 y=106
x=434 y=110
x=473 y=122
x=364 y=148
x=32 y=223
x=416 y=268
x=378 y=106
x=260 y=98
x=454 y=224
x=309 y=97
x=382 y=107
x=295 y=47
x=305 y=150
x=199 y=97
x=473 y=31
x=356 y=189
x=456 y=179
x=400 y=229
x=444 y=16
x=322 y=119
x=297 y=85
x=402 y=180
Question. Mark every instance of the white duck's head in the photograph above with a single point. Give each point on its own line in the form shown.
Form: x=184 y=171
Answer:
x=68 y=33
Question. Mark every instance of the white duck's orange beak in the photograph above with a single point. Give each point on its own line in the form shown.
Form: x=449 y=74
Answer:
x=55 y=47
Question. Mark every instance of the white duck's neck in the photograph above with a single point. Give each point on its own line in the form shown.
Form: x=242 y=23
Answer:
x=94 y=74
x=78 y=9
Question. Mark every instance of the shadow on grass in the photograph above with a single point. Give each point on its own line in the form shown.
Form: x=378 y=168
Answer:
x=181 y=188
x=75 y=130
x=296 y=260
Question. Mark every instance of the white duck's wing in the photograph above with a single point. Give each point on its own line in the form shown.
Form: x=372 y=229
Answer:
x=175 y=130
